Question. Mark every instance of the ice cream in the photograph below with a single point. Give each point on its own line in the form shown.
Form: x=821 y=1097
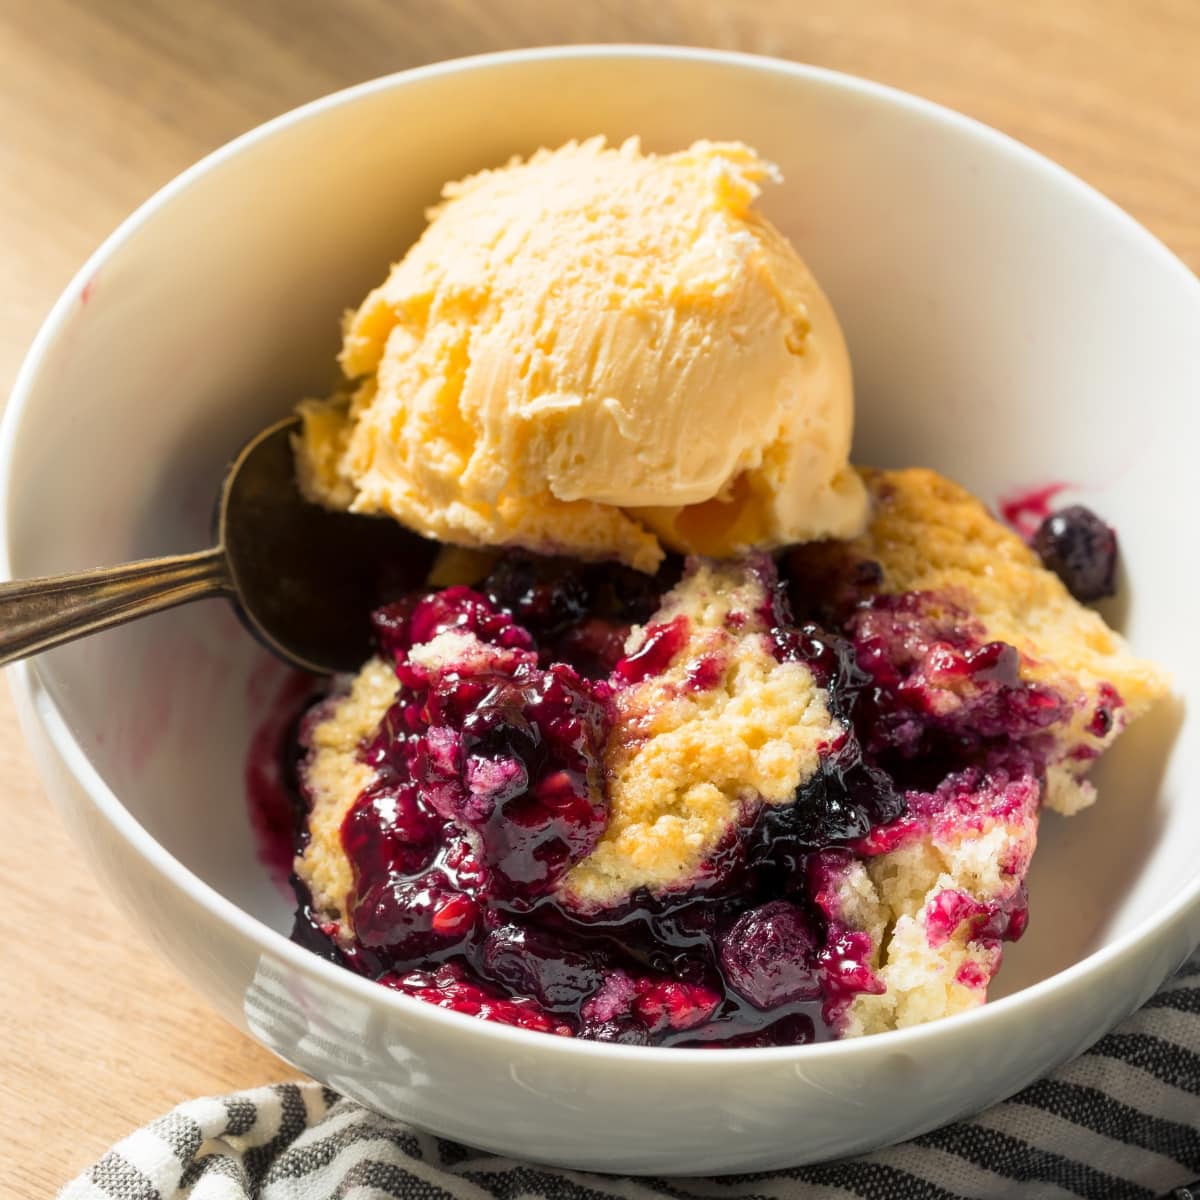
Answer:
x=596 y=352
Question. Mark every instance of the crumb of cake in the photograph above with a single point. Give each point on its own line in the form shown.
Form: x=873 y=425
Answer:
x=453 y=648
x=938 y=902
x=686 y=764
x=335 y=775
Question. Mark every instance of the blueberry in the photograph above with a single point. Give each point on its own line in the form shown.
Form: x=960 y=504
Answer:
x=635 y=597
x=408 y=917
x=624 y=1031
x=670 y=1004
x=841 y=802
x=831 y=658
x=546 y=595
x=768 y=956
x=389 y=830
x=1081 y=550
x=529 y=962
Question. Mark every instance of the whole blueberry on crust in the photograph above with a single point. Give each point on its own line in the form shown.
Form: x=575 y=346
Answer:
x=1081 y=550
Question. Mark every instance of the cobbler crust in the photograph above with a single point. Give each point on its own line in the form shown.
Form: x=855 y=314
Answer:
x=930 y=535
x=334 y=777
x=686 y=764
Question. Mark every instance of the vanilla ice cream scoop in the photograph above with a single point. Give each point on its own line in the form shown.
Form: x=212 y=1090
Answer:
x=596 y=352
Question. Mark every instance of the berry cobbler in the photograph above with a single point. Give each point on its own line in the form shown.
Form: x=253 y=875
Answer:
x=760 y=800
x=699 y=736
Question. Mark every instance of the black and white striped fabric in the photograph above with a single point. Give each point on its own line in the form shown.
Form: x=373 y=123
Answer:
x=1120 y=1123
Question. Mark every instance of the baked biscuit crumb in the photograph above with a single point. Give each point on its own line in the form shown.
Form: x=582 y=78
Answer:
x=687 y=764
x=334 y=777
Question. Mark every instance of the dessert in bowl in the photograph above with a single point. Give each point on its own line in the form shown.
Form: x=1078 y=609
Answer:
x=727 y=799
x=978 y=374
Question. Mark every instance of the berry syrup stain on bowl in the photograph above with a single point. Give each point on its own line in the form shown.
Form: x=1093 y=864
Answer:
x=272 y=790
x=1025 y=510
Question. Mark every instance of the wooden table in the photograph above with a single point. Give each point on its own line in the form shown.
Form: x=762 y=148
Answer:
x=102 y=102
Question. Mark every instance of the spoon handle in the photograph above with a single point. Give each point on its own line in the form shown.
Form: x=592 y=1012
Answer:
x=37 y=614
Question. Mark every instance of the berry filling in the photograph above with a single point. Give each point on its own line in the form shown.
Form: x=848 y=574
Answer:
x=487 y=782
x=733 y=804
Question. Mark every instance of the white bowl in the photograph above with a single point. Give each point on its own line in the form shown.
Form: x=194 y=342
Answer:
x=1008 y=326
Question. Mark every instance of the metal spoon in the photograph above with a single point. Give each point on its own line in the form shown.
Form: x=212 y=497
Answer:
x=303 y=579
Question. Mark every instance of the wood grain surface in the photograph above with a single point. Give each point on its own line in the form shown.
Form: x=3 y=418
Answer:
x=102 y=102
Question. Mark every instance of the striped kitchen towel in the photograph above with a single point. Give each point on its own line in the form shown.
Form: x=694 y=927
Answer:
x=1122 y=1122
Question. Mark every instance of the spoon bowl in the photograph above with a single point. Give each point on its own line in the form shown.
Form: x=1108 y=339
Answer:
x=306 y=578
